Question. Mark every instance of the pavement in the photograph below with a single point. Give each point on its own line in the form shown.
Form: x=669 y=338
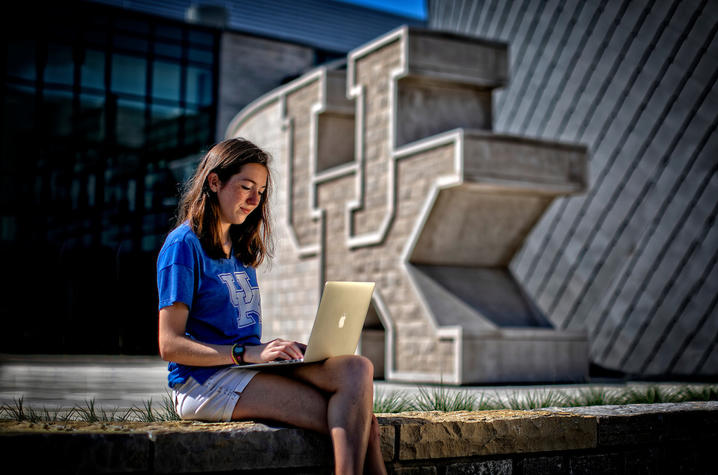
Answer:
x=116 y=383
x=56 y=382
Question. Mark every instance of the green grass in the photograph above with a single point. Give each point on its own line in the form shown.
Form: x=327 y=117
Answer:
x=434 y=398
x=393 y=402
x=442 y=399
x=168 y=412
x=705 y=393
x=535 y=400
x=651 y=395
x=486 y=403
x=592 y=396
x=17 y=411
x=89 y=412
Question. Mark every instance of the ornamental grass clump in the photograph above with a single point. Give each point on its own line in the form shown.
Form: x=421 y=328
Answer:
x=168 y=412
x=19 y=412
x=705 y=393
x=650 y=395
x=89 y=413
x=392 y=402
x=534 y=400
x=147 y=413
x=441 y=399
x=593 y=396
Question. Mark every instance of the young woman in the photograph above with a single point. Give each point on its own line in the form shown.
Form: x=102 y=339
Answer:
x=210 y=319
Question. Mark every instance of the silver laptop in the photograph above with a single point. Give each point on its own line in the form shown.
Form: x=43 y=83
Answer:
x=337 y=325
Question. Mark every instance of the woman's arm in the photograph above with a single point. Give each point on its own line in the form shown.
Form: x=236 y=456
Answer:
x=176 y=346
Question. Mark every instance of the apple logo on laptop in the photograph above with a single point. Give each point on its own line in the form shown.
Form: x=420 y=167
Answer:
x=342 y=320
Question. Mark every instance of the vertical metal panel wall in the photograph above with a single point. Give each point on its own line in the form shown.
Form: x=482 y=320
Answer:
x=634 y=259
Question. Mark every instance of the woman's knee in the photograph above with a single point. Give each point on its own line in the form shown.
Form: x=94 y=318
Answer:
x=355 y=370
x=361 y=367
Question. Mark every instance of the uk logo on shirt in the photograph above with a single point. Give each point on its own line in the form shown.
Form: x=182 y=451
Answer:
x=244 y=297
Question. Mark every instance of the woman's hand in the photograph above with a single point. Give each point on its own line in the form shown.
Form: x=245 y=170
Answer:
x=277 y=349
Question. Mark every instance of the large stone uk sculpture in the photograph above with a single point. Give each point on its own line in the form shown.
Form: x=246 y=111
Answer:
x=387 y=171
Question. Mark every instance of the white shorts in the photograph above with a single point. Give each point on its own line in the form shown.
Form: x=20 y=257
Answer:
x=215 y=399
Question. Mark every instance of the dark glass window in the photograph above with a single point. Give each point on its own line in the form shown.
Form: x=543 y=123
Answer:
x=201 y=38
x=168 y=32
x=199 y=86
x=200 y=55
x=130 y=123
x=129 y=74
x=133 y=25
x=100 y=105
x=168 y=50
x=57 y=113
x=91 y=120
x=95 y=37
x=60 y=66
x=21 y=57
x=166 y=78
x=131 y=44
x=92 y=73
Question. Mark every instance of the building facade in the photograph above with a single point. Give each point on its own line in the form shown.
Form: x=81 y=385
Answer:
x=634 y=260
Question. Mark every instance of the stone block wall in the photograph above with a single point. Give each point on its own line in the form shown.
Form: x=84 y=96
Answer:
x=420 y=197
x=645 y=439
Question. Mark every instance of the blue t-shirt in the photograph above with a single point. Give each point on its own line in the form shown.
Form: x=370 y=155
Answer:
x=222 y=296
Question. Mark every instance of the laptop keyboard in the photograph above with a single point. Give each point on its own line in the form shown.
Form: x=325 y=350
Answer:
x=288 y=361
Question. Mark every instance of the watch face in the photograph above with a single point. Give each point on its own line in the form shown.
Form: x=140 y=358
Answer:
x=238 y=352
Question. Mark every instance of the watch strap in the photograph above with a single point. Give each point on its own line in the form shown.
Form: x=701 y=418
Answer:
x=238 y=354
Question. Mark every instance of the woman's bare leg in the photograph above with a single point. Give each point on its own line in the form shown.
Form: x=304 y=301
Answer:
x=349 y=381
x=374 y=462
x=346 y=415
x=282 y=399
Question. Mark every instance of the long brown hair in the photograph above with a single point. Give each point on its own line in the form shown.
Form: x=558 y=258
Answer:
x=199 y=205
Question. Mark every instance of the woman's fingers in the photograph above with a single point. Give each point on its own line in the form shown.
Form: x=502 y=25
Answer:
x=283 y=349
x=292 y=350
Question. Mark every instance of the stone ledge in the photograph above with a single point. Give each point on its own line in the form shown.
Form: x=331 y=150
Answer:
x=463 y=434
x=651 y=423
x=409 y=440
